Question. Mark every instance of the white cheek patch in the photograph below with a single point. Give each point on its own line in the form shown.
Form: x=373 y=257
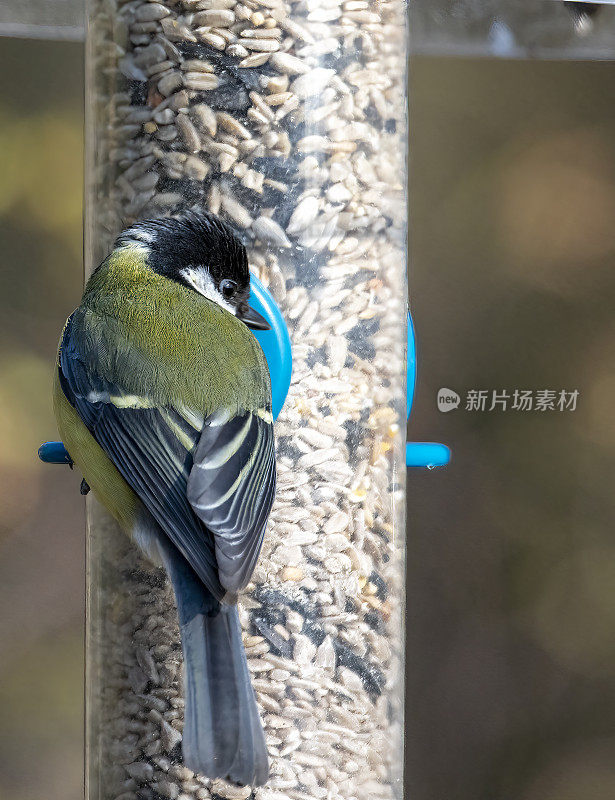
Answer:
x=201 y=281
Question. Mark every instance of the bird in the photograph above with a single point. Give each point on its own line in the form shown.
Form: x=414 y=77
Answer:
x=162 y=397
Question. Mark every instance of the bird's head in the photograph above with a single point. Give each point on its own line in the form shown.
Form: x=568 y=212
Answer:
x=201 y=252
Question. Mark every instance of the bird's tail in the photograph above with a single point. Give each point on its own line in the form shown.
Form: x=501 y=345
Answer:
x=223 y=736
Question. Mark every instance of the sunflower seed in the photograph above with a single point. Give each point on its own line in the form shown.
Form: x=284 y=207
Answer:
x=195 y=168
x=176 y=31
x=268 y=231
x=196 y=65
x=304 y=214
x=189 y=133
x=128 y=67
x=204 y=118
x=261 y=45
x=215 y=17
x=230 y=124
x=169 y=83
x=201 y=81
x=236 y=211
x=303 y=651
x=164 y=117
x=289 y=64
x=256 y=60
x=296 y=30
x=261 y=33
x=151 y=11
x=237 y=50
x=214 y=40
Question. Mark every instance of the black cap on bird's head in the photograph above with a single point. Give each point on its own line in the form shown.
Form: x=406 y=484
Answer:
x=201 y=252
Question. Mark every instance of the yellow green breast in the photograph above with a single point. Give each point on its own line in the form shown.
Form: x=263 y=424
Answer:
x=155 y=337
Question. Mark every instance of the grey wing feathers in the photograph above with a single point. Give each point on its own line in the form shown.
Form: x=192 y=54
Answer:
x=152 y=449
x=231 y=488
x=210 y=488
x=156 y=464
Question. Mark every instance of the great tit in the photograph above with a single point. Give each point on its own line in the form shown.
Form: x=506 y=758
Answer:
x=163 y=400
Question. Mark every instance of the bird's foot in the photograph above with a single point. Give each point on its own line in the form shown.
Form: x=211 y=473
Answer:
x=84 y=488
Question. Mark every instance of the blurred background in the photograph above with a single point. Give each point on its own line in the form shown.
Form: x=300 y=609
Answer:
x=511 y=586
x=511 y=558
x=42 y=517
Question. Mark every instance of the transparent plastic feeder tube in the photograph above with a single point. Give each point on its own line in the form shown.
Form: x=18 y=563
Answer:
x=288 y=120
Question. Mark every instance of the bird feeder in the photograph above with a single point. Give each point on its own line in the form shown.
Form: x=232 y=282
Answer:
x=288 y=120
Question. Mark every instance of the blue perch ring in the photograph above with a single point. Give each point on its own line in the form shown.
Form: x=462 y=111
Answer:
x=420 y=454
x=275 y=343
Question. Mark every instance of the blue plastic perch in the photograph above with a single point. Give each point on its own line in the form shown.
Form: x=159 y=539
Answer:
x=420 y=454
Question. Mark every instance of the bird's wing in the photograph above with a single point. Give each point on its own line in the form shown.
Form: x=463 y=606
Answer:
x=151 y=446
x=231 y=488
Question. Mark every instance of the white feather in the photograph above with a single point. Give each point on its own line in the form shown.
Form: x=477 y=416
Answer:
x=202 y=282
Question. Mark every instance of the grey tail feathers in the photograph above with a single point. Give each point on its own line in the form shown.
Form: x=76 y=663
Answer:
x=223 y=735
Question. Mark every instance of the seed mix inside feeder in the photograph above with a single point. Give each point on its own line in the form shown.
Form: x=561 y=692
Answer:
x=288 y=120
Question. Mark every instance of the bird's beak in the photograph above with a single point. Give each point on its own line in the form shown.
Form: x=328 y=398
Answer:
x=252 y=318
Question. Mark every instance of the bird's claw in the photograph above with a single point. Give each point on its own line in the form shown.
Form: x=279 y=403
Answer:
x=84 y=488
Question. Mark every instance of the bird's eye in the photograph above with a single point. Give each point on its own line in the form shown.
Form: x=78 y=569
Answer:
x=228 y=288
